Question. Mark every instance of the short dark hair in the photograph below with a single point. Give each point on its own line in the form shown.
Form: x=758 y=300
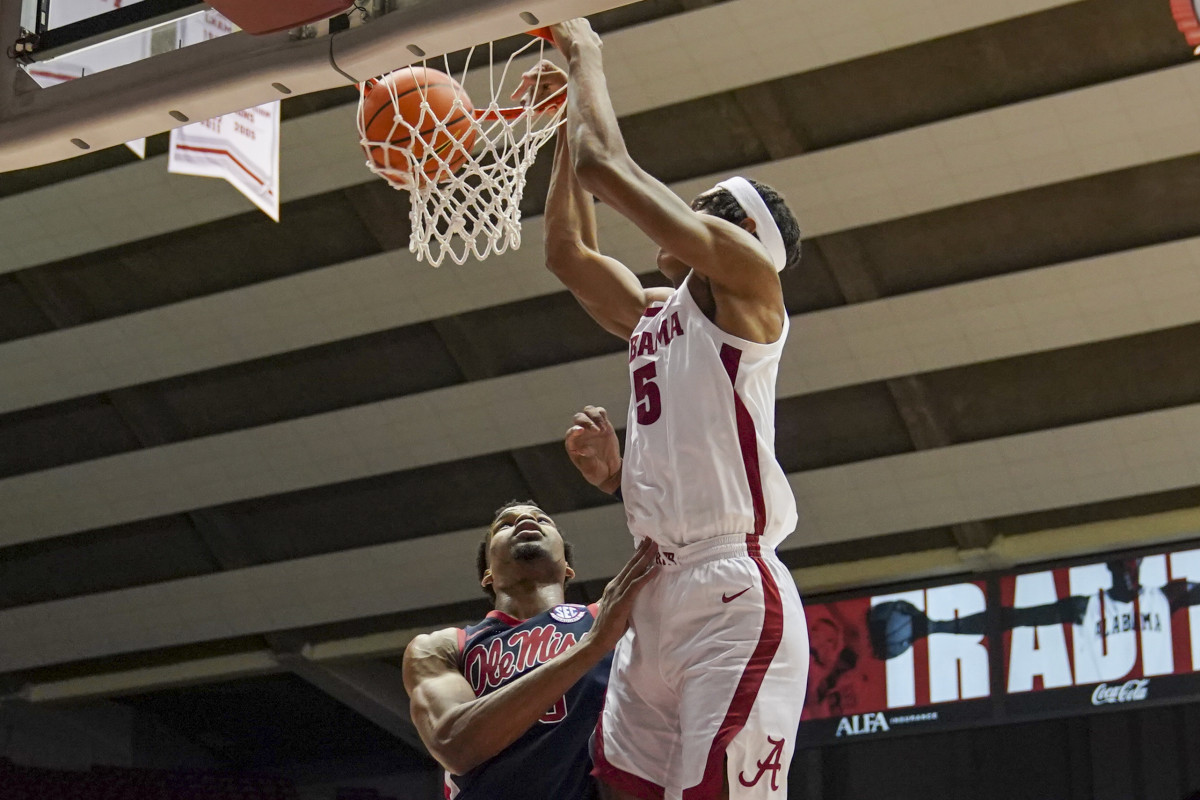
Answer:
x=481 y=554
x=722 y=203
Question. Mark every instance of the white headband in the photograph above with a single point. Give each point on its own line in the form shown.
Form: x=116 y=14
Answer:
x=764 y=224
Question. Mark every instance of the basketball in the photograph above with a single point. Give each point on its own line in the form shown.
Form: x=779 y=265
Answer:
x=405 y=123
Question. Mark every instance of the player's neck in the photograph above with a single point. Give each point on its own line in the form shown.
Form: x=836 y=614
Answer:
x=523 y=601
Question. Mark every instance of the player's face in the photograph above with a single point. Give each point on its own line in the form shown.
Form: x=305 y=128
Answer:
x=825 y=641
x=1133 y=568
x=669 y=265
x=524 y=535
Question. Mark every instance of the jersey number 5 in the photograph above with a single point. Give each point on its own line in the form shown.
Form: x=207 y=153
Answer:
x=646 y=395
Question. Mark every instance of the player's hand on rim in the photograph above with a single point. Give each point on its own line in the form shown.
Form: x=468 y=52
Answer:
x=592 y=446
x=574 y=31
x=616 y=605
x=544 y=85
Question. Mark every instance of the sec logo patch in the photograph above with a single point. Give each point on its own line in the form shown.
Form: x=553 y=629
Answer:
x=567 y=614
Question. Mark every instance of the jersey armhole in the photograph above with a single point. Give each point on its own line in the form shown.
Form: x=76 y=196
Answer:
x=462 y=643
x=594 y=608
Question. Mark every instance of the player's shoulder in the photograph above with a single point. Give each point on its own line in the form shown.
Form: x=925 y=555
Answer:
x=441 y=645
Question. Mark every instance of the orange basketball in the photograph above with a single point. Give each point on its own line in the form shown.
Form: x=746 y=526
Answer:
x=383 y=120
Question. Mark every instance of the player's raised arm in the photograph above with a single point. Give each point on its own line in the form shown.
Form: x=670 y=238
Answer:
x=462 y=730
x=725 y=253
x=607 y=289
x=1181 y=594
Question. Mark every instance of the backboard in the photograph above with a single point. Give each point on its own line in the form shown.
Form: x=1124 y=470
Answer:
x=172 y=86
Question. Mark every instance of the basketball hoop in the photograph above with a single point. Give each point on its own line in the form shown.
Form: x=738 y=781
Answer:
x=466 y=182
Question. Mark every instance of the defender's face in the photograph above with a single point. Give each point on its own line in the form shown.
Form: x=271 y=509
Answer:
x=524 y=534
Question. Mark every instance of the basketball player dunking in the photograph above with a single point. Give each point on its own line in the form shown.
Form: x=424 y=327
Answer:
x=507 y=706
x=707 y=688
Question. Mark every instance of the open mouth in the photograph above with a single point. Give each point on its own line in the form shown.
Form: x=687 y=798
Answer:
x=527 y=532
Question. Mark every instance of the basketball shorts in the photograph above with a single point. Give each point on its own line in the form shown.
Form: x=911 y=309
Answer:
x=708 y=684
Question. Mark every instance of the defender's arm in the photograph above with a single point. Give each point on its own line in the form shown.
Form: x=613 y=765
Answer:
x=461 y=730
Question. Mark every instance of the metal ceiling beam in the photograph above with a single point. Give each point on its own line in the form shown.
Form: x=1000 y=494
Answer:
x=1066 y=305
x=372 y=688
x=1072 y=541
x=1057 y=468
x=848 y=264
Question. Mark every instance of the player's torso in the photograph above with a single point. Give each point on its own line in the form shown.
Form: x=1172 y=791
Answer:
x=1118 y=633
x=699 y=463
x=551 y=758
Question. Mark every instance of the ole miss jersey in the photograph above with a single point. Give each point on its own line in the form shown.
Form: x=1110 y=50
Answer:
x=700 y=440
x=551 y=759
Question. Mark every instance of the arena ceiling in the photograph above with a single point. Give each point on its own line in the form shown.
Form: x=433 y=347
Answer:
x=231 y=447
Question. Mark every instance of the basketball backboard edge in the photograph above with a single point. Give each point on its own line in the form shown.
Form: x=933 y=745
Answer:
x=228 y=74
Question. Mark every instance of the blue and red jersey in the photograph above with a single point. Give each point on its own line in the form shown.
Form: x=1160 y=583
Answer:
x=551 y=759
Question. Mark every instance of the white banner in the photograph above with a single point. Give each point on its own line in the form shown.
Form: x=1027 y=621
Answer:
x=64 y=12
x=242 y=148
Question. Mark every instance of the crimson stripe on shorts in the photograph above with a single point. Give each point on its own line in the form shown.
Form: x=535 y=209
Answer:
x=618 y=778
x=709 y=787
x=731 y=357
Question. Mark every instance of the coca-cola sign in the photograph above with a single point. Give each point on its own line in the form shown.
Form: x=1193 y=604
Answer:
x=1128 y=692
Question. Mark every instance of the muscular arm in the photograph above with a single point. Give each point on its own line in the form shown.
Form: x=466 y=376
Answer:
x=461 y=730
x=1181 y=594
x=724 y=253
x=607 y=289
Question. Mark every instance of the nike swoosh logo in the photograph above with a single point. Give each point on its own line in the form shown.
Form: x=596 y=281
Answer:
x=728 y=598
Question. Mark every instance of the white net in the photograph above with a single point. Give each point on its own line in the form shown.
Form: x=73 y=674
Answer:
x=464 y=171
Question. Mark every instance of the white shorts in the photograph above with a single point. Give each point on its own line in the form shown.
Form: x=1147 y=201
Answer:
x=712 y=671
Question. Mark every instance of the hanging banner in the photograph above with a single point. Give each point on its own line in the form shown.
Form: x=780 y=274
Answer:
x=64 y=12
x=242 y=148
x=902 y=661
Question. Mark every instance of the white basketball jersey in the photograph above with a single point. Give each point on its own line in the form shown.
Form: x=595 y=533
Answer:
x=700 y=441
x=1107 y=643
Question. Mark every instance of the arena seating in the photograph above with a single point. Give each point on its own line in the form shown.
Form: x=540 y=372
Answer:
x=19 y=782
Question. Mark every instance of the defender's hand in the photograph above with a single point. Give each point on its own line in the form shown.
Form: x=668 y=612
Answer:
x=612 y=620
x=543 y=86
x=593 y=448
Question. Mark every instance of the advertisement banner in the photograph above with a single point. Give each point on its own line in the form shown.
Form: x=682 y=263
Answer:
x=901 y=661
x=242 y=148
x=1107 y=634
x=1124 y=631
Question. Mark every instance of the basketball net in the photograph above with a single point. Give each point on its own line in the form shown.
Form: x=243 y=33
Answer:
x=476 y=210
